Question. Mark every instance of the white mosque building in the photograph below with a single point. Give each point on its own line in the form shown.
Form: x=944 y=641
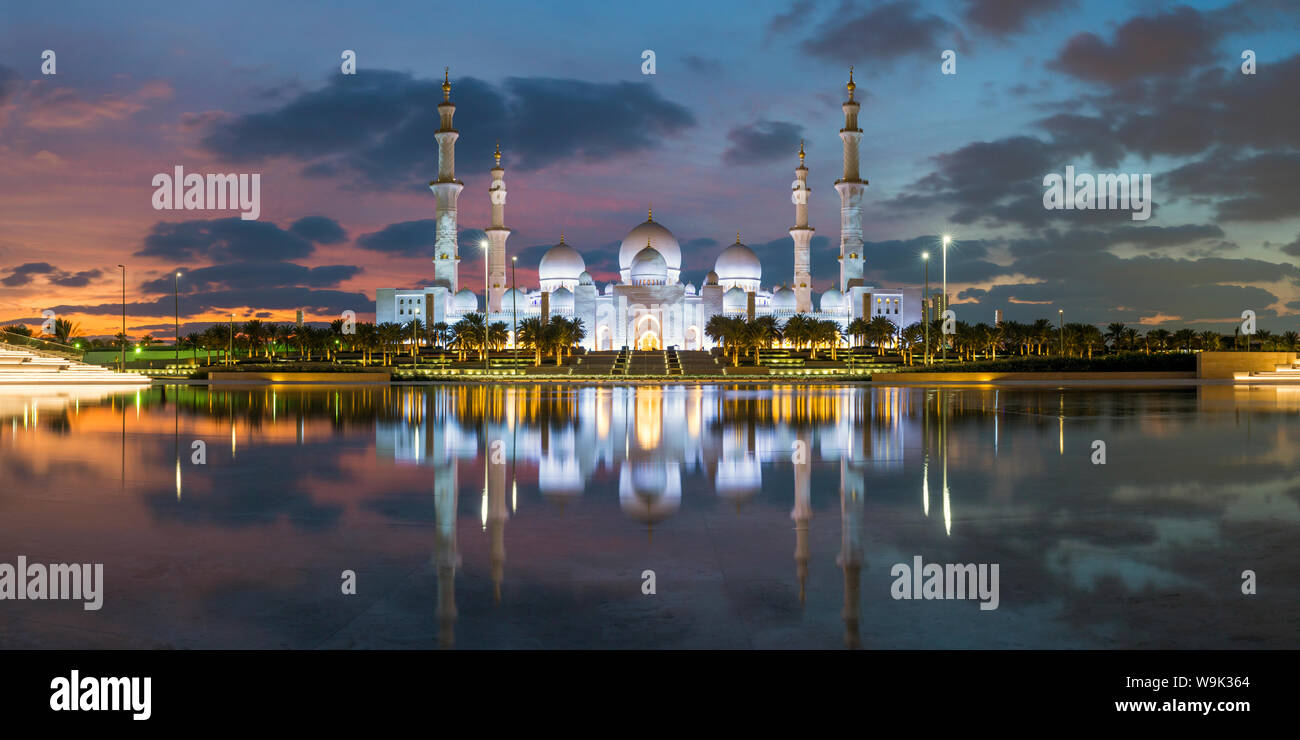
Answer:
x=650 y=307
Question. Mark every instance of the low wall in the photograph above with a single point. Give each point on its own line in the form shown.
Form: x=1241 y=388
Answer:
x=991 y=377
x=291 y=377
x=1222 y=365
x=747 y=371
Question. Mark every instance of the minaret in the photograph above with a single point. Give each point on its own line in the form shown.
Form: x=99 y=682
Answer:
x=802 y=235
x=447 y=190
x=851 y=188
x=496 y=234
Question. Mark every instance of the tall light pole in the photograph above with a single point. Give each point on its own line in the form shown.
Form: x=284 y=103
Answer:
x=944 y=301
x=121 y=363
x=486 y=290
x=176 y=294
x=230 y=353
x=925 y=305
x=1060 y=312
x=514 y=310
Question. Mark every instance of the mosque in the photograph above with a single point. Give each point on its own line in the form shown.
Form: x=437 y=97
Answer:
x=649 y=307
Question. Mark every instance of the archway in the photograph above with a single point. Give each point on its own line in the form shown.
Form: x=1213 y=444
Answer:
x=692 y=338
x=648 y=341
x=604 y=338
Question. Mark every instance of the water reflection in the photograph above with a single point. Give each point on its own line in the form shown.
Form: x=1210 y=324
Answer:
x=546 y=505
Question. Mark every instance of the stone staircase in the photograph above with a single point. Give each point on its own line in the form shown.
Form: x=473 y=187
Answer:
x=27 y=366
x=1279 y=374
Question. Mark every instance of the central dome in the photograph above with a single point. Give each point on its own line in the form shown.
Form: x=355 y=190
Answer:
x=659 y=237
x=648 y=267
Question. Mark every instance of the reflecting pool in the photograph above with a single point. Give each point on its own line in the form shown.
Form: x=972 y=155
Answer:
x=758 y=517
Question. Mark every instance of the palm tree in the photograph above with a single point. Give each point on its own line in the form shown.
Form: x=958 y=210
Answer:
x=857 y=329
x=1289 y=340
x=389 y=334
x=498 y=335
x=256 y=334
x=1160 y=339
x=65 y=330
x=1210 y=340
x=367 y=339
x=193 y=342
x=726 y=330
x=441 y=334
x=880 y=331
x=532 y=334
x=1116 y=333
x=910 y=336
x=797 y=330
x=1266 y=340
x=1130 y=338
x=469 y=334
x=1183 y=338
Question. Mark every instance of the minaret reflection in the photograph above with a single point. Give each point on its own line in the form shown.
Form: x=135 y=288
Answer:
x=802 y=512
x=497 y=512
x=446 y=557
x=850 y=559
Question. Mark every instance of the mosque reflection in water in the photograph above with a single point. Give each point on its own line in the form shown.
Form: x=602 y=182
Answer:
x=701 y=473
x=650 y=437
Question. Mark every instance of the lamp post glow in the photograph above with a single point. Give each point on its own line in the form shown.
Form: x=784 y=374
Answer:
x=514 y=311
x=486 y=290
x=121 y=363
x=925 y=305
x=176 y=295
x=1061 y=313
x=944 y=300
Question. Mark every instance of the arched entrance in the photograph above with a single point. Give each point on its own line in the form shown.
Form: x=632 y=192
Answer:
x=648 y=341
x=692 y=338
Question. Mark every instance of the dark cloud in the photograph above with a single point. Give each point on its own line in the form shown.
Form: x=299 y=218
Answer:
x=254 y=276
x=762 y=141
x=702 y=65
x=788 y=21
x=10 y=81
x=1168 y=43
x=416 y=239
x=379 y=124
x=25 y=274
x=1004 y=17
x=1262 y=187
x=223 y=240
x=319 y=229
x=280 y=299
x=883 y=33
x=22 y=274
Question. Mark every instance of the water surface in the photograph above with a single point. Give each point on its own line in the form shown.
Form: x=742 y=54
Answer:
x=527 y=517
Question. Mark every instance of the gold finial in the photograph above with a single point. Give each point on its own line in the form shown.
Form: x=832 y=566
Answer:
x=650 y=215
x=647 y=243
x=498 y=153
x=561 y=237
x=446 y=84
x=851 y=86
x=801 y=152
x=737 y=237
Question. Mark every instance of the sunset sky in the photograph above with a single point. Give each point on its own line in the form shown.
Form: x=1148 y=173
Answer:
x=710 y=140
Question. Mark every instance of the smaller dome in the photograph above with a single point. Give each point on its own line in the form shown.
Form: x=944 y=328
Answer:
x=466 y=301
x=738 y=262
x=783 y=299
x=609 y=289
x=649 y=265
x=690 y=289
x=711 y=278
x=832 y=300
x=735 y=300
x=584 y=278
x=561 y=262
x=562 y=300
x=513 y=298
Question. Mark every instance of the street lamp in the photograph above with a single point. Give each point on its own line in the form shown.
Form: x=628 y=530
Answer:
x=514 y=311
x=1060 y=312
x=484 y=245
x=176 y=295
x=231 y=351
x=925 y=305
x=947 y=239
x=121 y=363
